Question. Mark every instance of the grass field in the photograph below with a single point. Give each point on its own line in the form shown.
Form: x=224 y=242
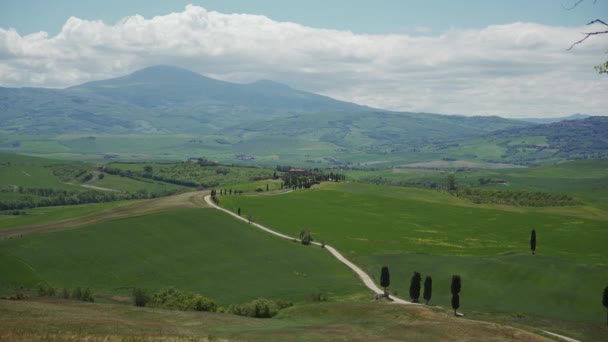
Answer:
x=200 y=250
x=435 y=233
x=56 y=320
x=49 y=214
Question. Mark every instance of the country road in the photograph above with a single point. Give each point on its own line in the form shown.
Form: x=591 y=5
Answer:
x=365 y=278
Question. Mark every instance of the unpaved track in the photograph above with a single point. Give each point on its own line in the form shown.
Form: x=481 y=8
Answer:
x=365 y=278
x=139 y=208
x=359 y=272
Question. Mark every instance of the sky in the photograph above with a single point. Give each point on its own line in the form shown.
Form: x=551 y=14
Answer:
x=474 y=57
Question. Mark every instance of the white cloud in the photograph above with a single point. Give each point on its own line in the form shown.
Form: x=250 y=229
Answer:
x=516 y=70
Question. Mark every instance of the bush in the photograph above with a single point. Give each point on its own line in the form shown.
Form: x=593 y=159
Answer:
x=174 y=299
x=87 y=295
x=77 y=293
x=258 y=308
x=318 y=297
x=141 y=297
x=200 y=303
x=46 y=290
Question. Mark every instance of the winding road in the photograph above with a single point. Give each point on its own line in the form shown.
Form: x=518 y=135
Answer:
x=359 y=272
x=369 y=283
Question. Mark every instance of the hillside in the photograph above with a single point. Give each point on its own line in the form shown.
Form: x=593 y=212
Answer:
x=569 y=140
x=73 y=321
x=159 y=99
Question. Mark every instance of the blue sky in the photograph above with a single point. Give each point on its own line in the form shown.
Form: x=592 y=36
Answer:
x=506 y=58
x=359 y=16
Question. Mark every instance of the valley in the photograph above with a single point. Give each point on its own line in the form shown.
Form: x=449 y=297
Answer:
x=103 y=186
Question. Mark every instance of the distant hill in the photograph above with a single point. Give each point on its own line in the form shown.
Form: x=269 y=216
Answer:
x=159 y=99
x=375 y=131
x=271 y=121
x=551 y=120
x=563 y=140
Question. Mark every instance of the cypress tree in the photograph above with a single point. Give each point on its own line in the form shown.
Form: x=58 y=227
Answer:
x=428 y=289
x=605 y=302
x=415 y=287
x=455 y=303
x=533 y=241
x=385 y=280
x=456 y=284
x=455 y=287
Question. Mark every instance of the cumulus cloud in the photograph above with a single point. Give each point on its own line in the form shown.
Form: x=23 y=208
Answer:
x=514 y=70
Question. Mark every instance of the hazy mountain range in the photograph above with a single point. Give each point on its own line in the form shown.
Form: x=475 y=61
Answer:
x=169 y=100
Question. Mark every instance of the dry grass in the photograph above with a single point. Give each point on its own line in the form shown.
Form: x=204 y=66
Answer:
x=57 y=320
x=139 y=208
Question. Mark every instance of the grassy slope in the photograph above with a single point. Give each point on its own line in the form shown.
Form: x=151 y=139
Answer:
x=61 y=320
x=201 y=250
x=50 y=214
x=375 y=225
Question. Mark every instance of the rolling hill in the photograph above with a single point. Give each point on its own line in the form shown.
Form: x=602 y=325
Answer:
x=164 y=112
x=159 y=99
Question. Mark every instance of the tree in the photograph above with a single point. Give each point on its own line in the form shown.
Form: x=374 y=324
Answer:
x=455 y=287
x=267 y=187
x=415 y=287
x=140 y=297
x=455 y=303
x=451 y=182
x=305 y=236
x=605 y=302
x=148 y=169
x=239 y=211
x=533 y=241
x=456 y=284
x=602 y=68
x=428 y=289
x=385 y=280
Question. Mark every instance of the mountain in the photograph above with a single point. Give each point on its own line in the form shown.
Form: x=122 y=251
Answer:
x=159 y=99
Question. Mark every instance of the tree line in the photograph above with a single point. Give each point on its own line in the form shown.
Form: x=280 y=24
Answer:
x=45 y=197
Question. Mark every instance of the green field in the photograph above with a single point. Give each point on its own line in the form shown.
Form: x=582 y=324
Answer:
x=49 y=214
x=200 y=250
x=438 y=234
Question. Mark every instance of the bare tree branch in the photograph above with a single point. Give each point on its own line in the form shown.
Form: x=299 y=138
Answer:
x=573 y=6
x=596 y=21
x=589 y=34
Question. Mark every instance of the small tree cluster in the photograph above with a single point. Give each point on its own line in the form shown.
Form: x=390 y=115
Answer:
x=174 y=299
x=258 y=308
x=305 y=236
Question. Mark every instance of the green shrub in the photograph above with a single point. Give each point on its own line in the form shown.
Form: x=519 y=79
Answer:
x=77 y=293
x=87 y=295
x=174 y=299
x=141 y=297
x=318 y=297
x=258 y=308
x=45 y=290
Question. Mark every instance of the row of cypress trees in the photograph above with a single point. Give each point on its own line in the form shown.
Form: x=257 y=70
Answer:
x=415 y=288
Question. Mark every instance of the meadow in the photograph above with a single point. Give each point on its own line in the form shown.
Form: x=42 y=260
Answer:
x=199 y=250
x=73 y=321
x=437 y=234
